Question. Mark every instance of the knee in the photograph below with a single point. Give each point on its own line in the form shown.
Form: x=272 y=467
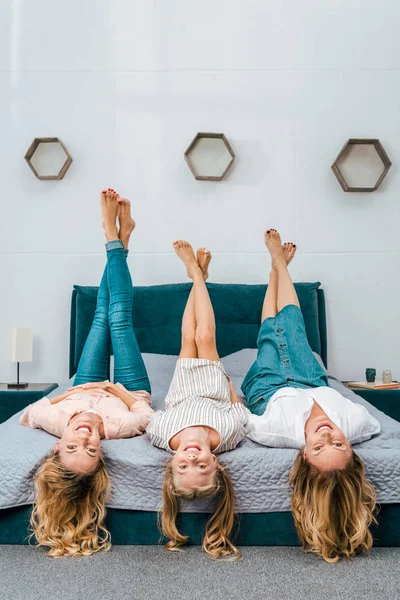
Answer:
x=188 y=335
x=205 y=336
x=120 y=318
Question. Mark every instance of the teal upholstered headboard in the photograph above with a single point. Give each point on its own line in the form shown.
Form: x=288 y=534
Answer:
x=158 y=310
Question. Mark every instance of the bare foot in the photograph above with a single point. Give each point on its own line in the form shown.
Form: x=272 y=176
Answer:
x=109 y=210
x=185 y=252
x=203 y=260
x=274 y=244
x=289 y=250
x=126 y=223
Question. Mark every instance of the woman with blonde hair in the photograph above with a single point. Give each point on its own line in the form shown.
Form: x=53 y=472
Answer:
x=287 y=391
x=72 y=484
x=203 y=416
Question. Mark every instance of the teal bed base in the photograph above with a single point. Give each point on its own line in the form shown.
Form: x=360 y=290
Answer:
x=157 y=317
x=130 y=527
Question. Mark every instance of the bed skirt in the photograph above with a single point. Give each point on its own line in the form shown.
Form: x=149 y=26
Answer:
x=260 y=529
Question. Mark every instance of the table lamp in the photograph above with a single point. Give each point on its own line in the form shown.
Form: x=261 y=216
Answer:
x=19 y=343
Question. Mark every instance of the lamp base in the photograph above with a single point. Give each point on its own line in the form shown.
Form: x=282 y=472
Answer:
x=17 y=386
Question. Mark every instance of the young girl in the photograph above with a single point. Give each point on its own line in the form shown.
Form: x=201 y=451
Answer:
x=293 y=406
x=203 y=416
x=72 y=484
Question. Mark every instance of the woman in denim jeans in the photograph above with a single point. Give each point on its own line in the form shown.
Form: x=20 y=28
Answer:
x=72 y=484
x=287 y=391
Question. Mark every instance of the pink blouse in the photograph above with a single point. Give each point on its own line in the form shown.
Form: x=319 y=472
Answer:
x=119 y=421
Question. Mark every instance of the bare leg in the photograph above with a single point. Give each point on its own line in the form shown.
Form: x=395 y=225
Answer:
x=286 y=291
x=188 y=345
x=189 y=348
x=109 y=211
x=270 y=306
x=126 y=223
x=203 y=311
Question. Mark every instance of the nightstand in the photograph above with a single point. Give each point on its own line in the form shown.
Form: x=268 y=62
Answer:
x=388 y=401
x=12 y=400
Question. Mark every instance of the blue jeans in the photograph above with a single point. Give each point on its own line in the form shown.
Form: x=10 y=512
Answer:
x=112 y=323
x=284 y=359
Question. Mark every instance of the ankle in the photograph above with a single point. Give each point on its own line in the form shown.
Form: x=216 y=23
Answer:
x=278 y=264
x=196 y=272
x=197 y=277
x=111 y=234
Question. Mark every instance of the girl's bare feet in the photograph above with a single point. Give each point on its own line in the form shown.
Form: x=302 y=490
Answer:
x=185 y=252
x=109 y=210
x=203 y=260
x=126 y=223
x=289 y=250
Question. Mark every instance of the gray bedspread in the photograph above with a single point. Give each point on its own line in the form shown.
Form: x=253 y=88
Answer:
x=260 y=474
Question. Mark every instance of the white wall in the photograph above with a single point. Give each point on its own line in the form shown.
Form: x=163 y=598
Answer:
x=126 y=84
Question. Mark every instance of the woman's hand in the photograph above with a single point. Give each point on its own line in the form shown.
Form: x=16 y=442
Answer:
x=98 y=385
x=108 y=389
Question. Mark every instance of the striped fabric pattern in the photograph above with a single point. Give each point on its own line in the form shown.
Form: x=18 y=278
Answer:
x=199 y=394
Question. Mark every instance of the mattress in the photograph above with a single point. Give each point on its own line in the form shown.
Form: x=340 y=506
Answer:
x=260 y=474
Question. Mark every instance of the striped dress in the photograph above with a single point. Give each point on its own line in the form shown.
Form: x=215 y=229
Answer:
x=199 y=395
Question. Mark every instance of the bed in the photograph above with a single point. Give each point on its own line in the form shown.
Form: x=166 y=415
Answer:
x=136 y=467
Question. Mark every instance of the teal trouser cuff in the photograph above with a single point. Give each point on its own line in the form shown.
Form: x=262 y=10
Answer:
x=113 y=245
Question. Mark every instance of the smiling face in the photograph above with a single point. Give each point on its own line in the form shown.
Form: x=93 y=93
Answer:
x=79 y=447
x=193 y=465
x=326 y=445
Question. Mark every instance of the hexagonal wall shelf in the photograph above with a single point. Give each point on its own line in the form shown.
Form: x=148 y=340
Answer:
x=209 y=156
x=361 y=165
x=48 y=158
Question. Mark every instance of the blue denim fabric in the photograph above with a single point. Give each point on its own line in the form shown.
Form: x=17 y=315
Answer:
x=284 y=359
x=112 y=323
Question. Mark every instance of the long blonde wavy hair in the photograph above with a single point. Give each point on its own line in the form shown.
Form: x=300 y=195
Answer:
x=69 y=510
x=332 y=510
x=216 y=540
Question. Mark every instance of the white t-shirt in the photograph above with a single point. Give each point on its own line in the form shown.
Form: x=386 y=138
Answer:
x=282 y=424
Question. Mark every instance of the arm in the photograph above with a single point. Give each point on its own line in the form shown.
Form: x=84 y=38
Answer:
x=42 y=415
x=234 y=396
x=122 y=394
x=108 y=388
x=57 y=399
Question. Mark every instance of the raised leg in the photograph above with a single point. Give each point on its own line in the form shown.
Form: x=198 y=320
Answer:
x=205 y=338
x=270 y=306
x=189 y=324
x=286 y=291
x=129 y=368
x=188 y=346
x=94 y=361
x=95 y=358
x=205 y=331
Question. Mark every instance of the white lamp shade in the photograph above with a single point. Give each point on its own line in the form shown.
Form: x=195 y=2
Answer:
x=19 y=344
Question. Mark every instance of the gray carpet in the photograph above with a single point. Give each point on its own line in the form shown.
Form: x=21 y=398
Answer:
x=152 y=573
